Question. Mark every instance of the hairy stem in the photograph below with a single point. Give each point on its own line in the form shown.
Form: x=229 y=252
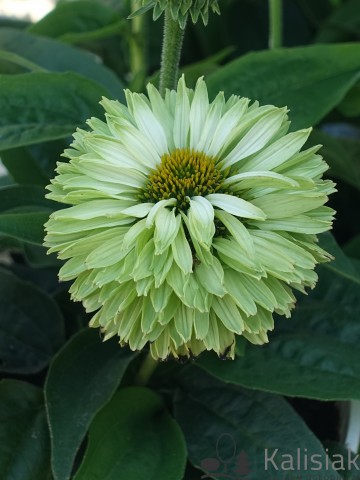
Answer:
x=171 y=52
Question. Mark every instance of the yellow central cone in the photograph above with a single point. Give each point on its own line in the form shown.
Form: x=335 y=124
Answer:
x=183 y=174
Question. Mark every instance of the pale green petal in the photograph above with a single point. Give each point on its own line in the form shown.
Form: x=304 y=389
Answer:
x=102 y=171
x=144 y=264
x=257 y=137
x=235 y=206
x=148 y=316
x=212 y=121
x=282 y=205
x=204 y=255
x=277 y=153
x=201 y=325
x=112 y=151
x=228 y=122
x=156 y=208
x=243 y=181
x=117 y=109
x=238 y=231
x=162 y=114
x=182 y=252
x=260 y=293
x=182 y=116
x=201 y=220
x=184 y=319
x=300 y=257
x=211 y=277
x=72 y=268
x=132 y=234
x=148 y=124
x=240 y=296
x=140 y=210
x=135 y=142
x=198 y=112
x=166 y=229
x=228 y=313
x=298 y=224
x=212 y=340
x=94 y=208
x=160 y=297
x=106 y=254
x=162 y=266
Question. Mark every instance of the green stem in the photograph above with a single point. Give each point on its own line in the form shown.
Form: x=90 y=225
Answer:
x=146 y=370
x=275 y=24
x=137 y=49
x=171 y=52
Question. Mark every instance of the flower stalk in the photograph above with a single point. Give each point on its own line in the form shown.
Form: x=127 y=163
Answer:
x=275 y=24
x=137 y=50
x=171 y=52
x=146 y=370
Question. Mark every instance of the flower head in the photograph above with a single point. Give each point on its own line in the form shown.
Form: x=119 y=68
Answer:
x=191 y=221
x=180 y=9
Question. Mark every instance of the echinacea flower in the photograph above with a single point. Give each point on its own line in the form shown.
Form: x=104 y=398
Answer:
x=191 y=221
x=180 y=9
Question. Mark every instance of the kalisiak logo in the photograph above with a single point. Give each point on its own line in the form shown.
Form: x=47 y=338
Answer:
x=234 y=466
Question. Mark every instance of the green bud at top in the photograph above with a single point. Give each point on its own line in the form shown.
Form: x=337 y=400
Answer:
x=180 y=9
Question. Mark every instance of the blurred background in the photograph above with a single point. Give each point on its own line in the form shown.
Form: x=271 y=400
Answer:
x=26 y=9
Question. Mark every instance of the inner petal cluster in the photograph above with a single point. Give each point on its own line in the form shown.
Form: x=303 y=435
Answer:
x=182 y=174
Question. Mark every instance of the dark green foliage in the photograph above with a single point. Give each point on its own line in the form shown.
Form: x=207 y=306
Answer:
x=69 y=408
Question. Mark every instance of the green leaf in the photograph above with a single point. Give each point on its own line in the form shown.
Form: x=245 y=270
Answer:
x=28 y=227
x=310 y=81
x=55 y=56
x=342 y=25
x=31 y=326
x=315 y=354
x=20 y=61
x=50 y=106
x=231 y=432
x=341 y=265
x=16 y=197
x=74 y=17
x=23 y=167
x=24 y=436
x=81 y=379
x=350 y=105
x=134 y=438
x=352 y=247
x=342 y=155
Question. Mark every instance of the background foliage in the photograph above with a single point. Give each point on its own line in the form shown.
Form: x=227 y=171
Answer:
x=68 y=404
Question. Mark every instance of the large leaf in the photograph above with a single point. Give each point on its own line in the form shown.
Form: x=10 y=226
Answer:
x=75 y=16
x=314 y=354
x=342 y=155
x=341 y=265
x=55 y=56
x=31 y=326
x=50 y=106
x=78 y=20
x=342 y=25
x=310 y=81
x=232 y=432
x=134 y=438
x=82 y=378
x=24 y=436
x=23 y=167
x=27 y=227
x=20 y=197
